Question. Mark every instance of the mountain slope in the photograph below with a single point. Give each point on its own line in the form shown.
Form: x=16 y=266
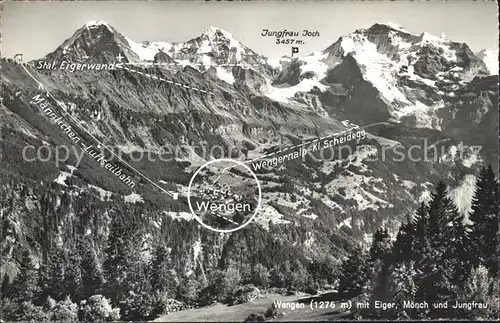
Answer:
x=412 y=75
x=404 y=91
x=360 y=77
x=96 y=40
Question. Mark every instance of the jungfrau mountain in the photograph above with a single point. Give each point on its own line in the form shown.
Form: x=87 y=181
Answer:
x=410 y=77
x=401 y=88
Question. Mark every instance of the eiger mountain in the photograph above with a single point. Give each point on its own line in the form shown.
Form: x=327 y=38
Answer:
x=401 y=88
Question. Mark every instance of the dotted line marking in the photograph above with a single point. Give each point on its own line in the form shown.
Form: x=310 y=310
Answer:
x=164 y=80
x=194 y=64
x=277 y=152
x=217 y=178
x=284 y=150
x=301 y=144
x=174 y=195
x=229 y=220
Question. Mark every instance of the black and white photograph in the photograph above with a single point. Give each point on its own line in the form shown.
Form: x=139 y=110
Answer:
x=249 y=161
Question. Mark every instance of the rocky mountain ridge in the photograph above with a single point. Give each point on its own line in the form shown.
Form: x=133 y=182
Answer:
x=402 y=89
x=412 y=75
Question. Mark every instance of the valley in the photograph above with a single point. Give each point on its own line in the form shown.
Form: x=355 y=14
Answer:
x=238 y=313
x=204 y=181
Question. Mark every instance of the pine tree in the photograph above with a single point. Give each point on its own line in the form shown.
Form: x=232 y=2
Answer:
x=377 y=271
x=493 y=235
x=163 y=277
x=260 y=275
x=402 y=249
x=480 y=287
x=114 y=266
x=25 y=285
x=124 y=270
x=421 y=245
x=353 y=274
x=91 y=274
x=460 y=251
x=435 y=271
x=484 y=218
x=403 y=287
x=51 y=279
x=57 y=268
x=73 y=283
x=188 y=289
x=5 y=291
x=381 y=246
x=441 y=210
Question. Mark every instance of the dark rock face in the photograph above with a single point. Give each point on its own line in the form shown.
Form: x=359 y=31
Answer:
x=466 y=58
x=98 y=43
x=472 y=116
x=162 y=57
x=365 y=105
x=415 y=90
x=379 y=35
x=290 y=75
x=210 y=73
x=359 y=101
x=430 y=62
x=347 y=73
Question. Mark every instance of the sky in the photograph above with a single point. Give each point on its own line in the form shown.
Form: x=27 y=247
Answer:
x=37 y=28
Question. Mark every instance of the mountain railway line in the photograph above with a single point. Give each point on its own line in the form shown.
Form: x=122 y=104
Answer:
x=153 y=77
x=100 y=144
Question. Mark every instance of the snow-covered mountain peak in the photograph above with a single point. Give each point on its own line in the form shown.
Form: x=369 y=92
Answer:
x=406 y=69
x=426 y=37
x=92 y=30
x=215 y=40
x=385 y=38
x=444 y=36
x=396 y=27
x=216 y=46
x=212 y=32
x=91 y=26
x=383 y=28
x=98 y=40
x=96 y=23
x=386 y=28
x=95 y=40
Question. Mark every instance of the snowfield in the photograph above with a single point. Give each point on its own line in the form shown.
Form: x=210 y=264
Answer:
x=284 y=94
x=377 y=67
x=225 y=75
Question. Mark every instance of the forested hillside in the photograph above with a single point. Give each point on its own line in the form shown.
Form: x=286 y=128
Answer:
x=435 y=259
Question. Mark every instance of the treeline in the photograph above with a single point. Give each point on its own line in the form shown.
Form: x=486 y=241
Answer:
x=80 y=258
x=436 y=258
x=72 y=282
x=132 y=284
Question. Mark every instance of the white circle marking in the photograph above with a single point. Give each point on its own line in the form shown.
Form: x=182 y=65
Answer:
x=230 y=161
